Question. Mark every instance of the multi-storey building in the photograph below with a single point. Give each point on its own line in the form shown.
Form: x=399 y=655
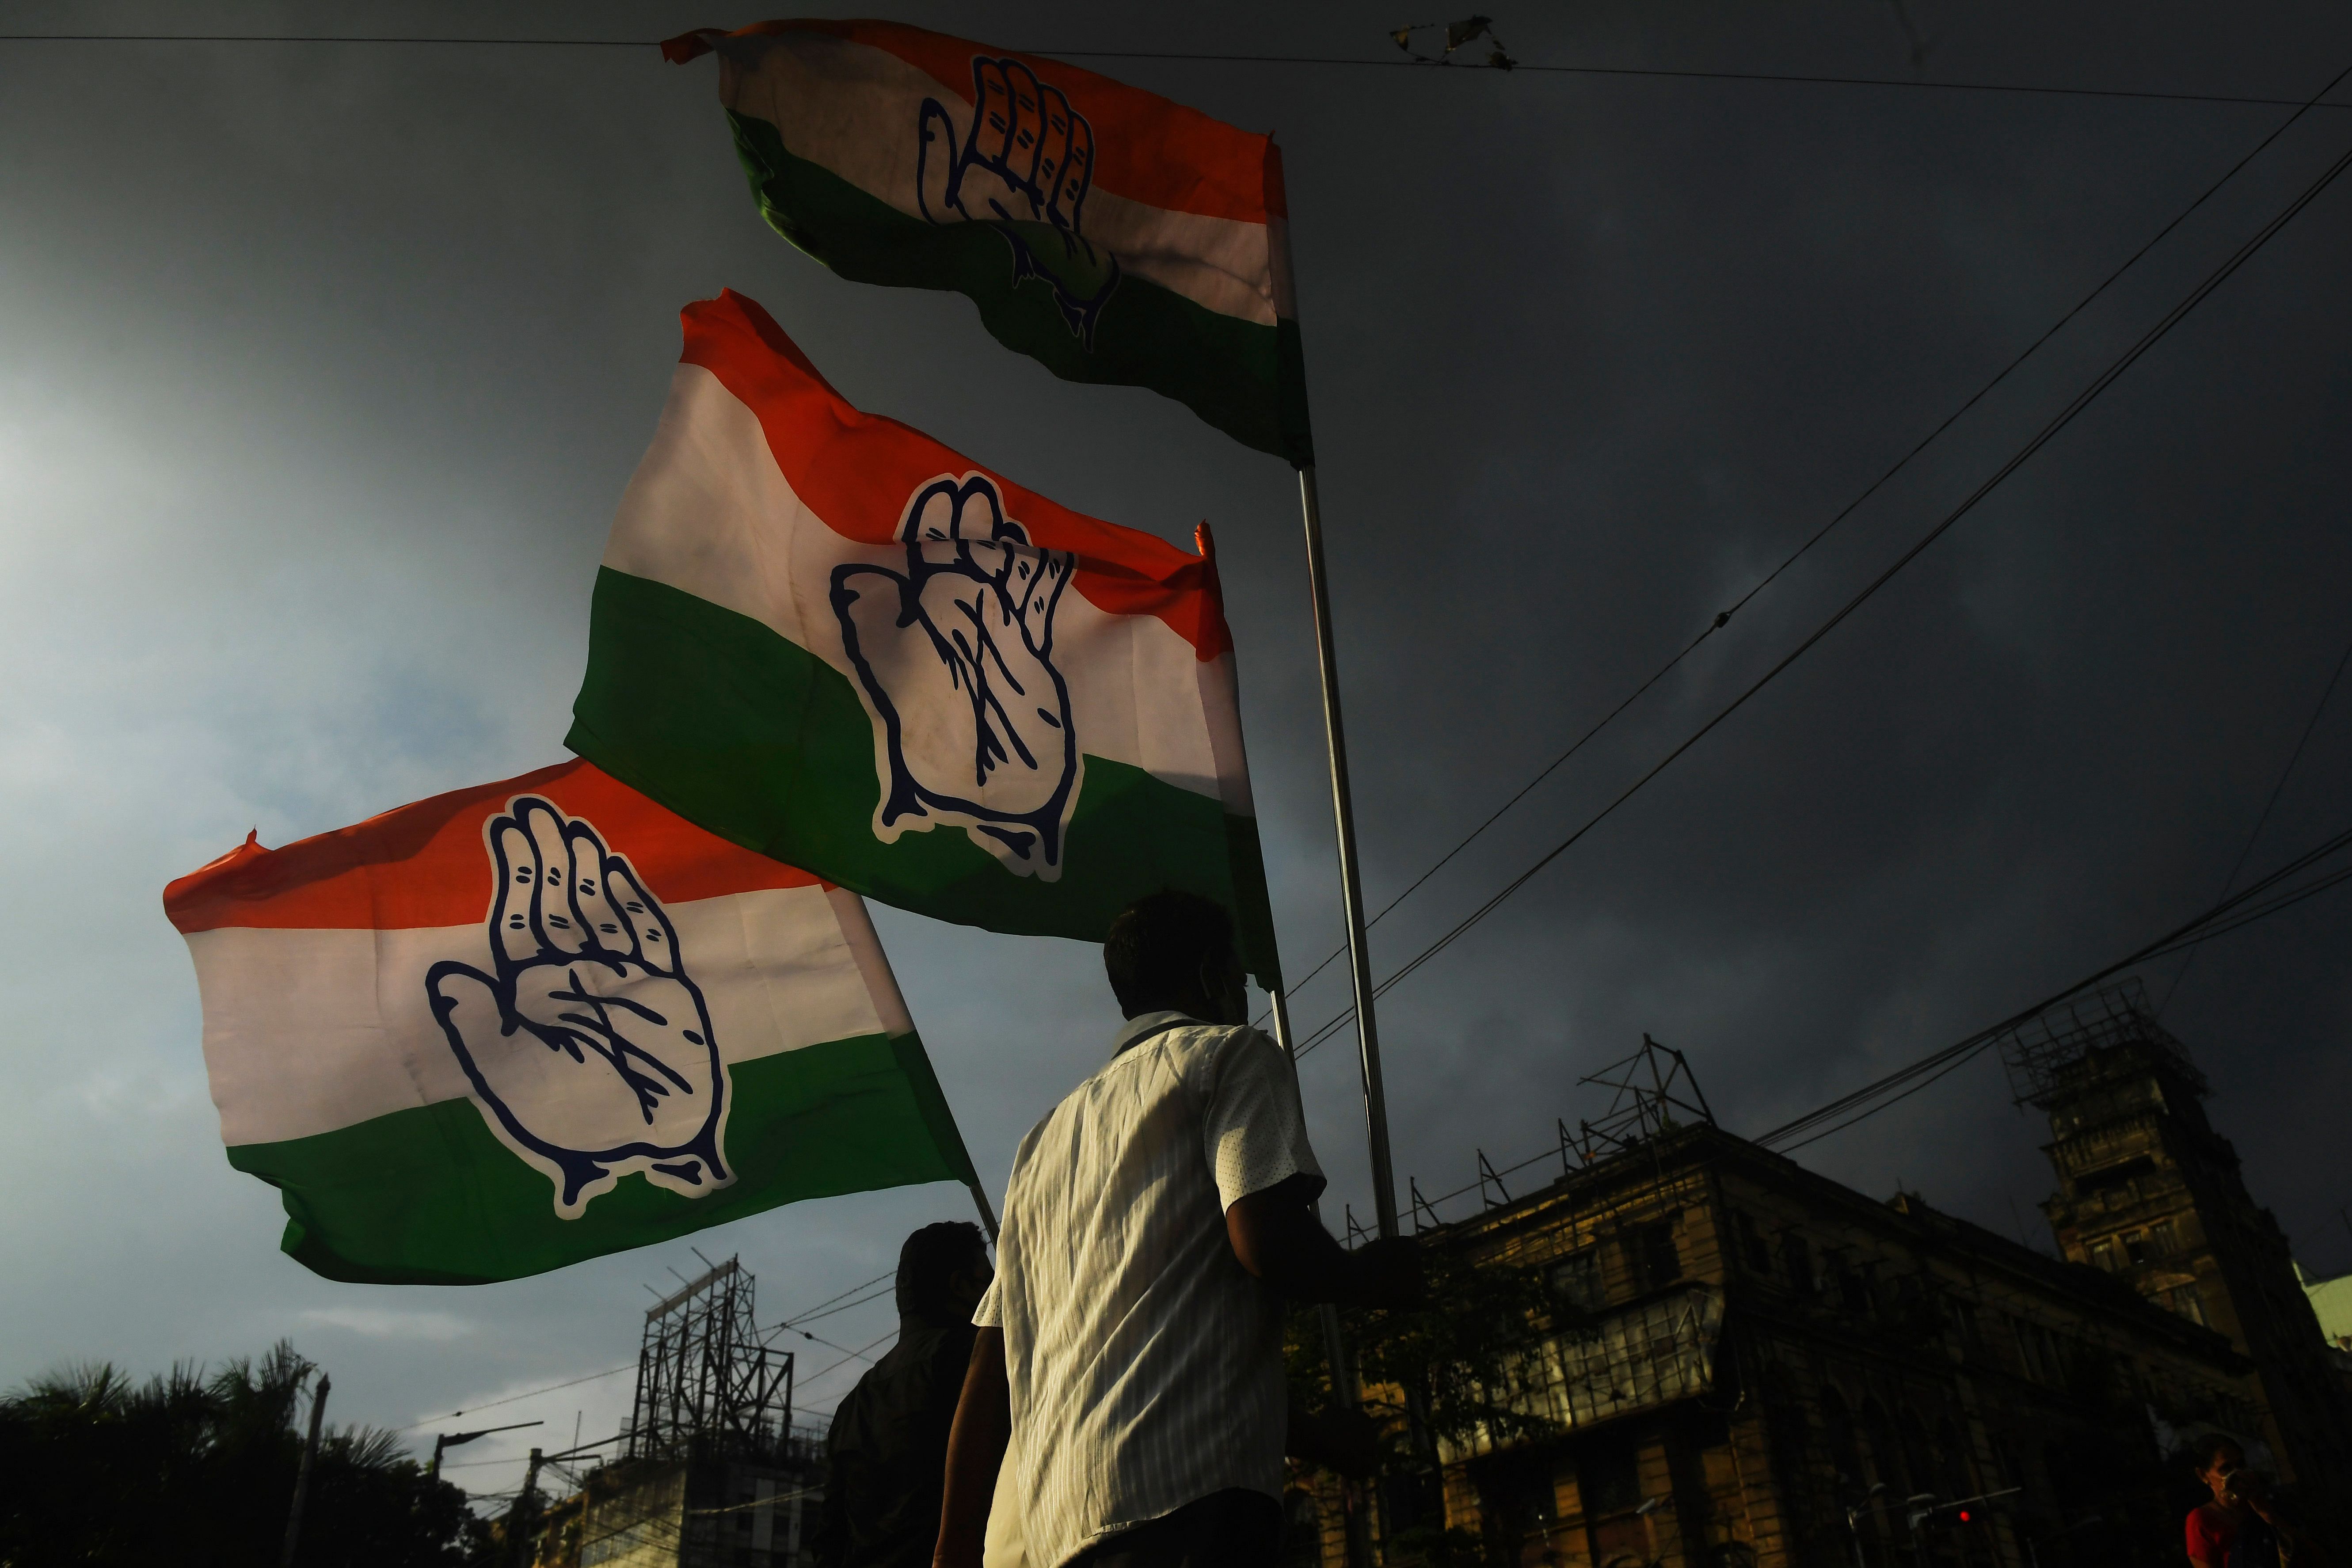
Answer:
x=1746 y=1362
x=2150 y=1192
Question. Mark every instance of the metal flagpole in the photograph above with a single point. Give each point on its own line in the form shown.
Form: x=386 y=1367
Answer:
x=1335 y=1347
x=1351 y=884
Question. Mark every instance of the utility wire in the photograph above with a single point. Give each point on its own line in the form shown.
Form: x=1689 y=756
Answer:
x=882 y=1295
x=1873 y=1097
x=2041 y=438
x=1723 y=616
x=2222 y=918
x=2263 y=819
x=854 y=1355
x=1179 y=55
x=615 y=1371
x=844 y=1361
x=511 y=1399
x=314 y=38
x=827 y=1307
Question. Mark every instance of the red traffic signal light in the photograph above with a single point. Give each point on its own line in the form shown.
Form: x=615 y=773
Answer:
x=1964 y=1516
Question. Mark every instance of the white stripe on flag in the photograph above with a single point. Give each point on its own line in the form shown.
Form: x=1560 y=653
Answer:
x=858 y=110
x=709 y=513
x=309 y=1029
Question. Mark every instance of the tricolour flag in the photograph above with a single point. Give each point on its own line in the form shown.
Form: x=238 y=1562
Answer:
x=510 y=1027
x=827 y=638
x=1110 y=234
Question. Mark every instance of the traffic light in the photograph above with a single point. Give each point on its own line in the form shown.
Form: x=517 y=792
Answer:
x=1929 y=1517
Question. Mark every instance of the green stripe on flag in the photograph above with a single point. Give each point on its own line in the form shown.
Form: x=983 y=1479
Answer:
x=429 y=1196
x=758 y=740
x=1248 y=380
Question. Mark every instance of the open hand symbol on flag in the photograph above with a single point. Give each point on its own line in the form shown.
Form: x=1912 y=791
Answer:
x=1025 y=164
x=589 y=1048
x=972 y=719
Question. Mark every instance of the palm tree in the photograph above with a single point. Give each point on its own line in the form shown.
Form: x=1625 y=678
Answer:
x=198 y=1469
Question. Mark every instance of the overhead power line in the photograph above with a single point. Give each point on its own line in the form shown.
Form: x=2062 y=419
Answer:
x=828 y=1306
x=511 y=1399
x=2041 y=438
x=1723 y=617
x=2263 y=820
x=2229 y=914
x=1660 y=72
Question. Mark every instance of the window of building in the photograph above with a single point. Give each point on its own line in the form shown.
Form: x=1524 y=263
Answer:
x=1609 y=1478
x=2028 y=1353
x=1842 y=1283
x=2007 y=1469
x=1917 y=1458
x=2161 y=1242
x=1964 y=1319
x=2135 y=1245
x=1798 y=1259
x=1753 y=1249
x=1960 y=1471
x=2103 y=1254
x=2187 y=1300
x=1518 y=1503
x=1576 y=1281
x=1837 y=1429
x=1885 y=1456
x=1650 y=1257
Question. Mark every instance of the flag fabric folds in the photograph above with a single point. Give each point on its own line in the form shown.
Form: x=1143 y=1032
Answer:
x=824 y=636
x=521 y=1024
x=1106 y=232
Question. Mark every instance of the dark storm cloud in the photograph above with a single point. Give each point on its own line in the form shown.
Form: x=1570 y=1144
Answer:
x=320 y=371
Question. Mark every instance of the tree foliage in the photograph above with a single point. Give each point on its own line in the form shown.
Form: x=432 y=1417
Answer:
x=1458 y=1369
x=197 y=1468
x=1463 y=1357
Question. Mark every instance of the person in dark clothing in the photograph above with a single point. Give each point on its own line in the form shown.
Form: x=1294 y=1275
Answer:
x=887 y=1454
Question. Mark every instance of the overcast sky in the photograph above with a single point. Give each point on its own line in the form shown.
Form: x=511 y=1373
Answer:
x=321 y=370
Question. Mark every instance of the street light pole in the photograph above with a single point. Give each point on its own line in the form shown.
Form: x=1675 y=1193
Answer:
x=302 y=1475
x=451 y=1439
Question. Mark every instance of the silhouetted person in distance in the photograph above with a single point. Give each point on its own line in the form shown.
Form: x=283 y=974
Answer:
x=887 y=1449
x=1154 y=1225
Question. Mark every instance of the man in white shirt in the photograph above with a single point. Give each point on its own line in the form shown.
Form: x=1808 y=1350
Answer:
x=1154 y=1226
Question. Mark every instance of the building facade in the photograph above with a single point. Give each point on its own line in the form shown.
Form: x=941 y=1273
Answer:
x=2148 y=1192
x=1744 y=1363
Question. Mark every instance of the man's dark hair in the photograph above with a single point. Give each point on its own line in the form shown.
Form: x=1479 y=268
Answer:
x=1157 y=945
x=933 y=1255
x=2208 y=1450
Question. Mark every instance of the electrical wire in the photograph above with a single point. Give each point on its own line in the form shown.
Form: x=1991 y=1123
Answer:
x=2263 y=820
x=511 y=1399
x=827 y=1307
x=1791 y=78
x=1723 y=617
x=2222 y=920
x=2229 y=914
x=882 y=1295
x=854 y=1355
x=844 y=1361
x=2041 y=438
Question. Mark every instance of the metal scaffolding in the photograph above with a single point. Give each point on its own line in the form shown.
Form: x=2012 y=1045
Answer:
x=2082 y=1042
x=707 y=1387
x=1650 y=1087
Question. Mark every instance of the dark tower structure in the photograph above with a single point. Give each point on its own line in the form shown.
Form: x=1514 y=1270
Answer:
x=2150 y=1192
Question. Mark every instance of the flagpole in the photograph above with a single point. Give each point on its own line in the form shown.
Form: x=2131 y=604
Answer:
x=1344 y=1390
x=1351 y=884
